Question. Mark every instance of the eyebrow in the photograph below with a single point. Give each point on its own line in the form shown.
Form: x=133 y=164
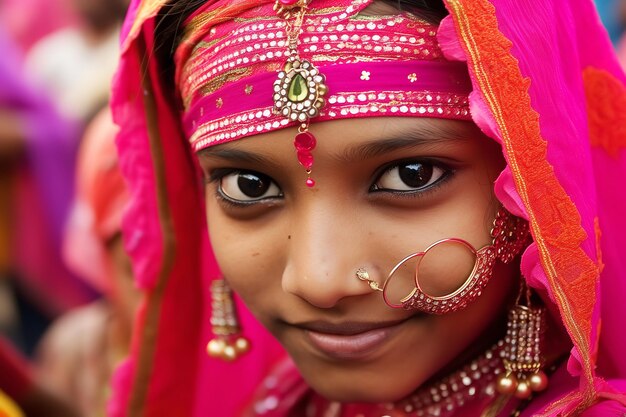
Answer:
x=423 y=136
x=234 y=155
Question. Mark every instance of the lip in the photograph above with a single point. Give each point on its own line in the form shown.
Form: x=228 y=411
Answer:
x=349 y=340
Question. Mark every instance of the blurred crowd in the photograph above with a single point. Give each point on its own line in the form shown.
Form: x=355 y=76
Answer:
x=67 y=298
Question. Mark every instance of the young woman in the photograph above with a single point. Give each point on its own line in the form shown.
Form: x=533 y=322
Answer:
x=416 y=200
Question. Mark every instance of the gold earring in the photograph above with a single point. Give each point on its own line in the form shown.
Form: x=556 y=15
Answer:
x=523 y=361
x=228 y=344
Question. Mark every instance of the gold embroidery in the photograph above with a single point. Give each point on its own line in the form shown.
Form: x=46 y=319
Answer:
x=208 y=44
x=199 y=22
x=334 y=58
x=248 y=90
x=253 y=19
x=233 y=75
x=412 y=77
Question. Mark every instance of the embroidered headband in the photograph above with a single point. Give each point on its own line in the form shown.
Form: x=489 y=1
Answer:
x=281 y=65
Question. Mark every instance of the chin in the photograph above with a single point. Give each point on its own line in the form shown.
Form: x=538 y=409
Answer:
x=350 y=387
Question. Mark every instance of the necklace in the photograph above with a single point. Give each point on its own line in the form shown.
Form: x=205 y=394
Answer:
x=476 y=381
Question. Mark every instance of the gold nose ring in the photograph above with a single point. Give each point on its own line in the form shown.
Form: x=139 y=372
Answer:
x=362 y=274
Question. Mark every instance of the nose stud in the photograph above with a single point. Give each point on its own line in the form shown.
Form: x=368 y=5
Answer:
x=362 y=274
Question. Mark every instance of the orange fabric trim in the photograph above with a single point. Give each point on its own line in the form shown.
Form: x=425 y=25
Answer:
x=147 y=9
x=606 y=108
x=598 y=230
x=555 y=222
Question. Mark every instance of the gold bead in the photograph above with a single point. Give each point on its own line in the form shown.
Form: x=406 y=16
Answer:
x=229 y=353
x=523 y=390
x=507 y=384
x=538 y=381
x=215 y=348
x=242 y=345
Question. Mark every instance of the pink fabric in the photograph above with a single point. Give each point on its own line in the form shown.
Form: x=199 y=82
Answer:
x=417 y=80
x=543 y=45
x=165 y=232
x=409 y=77
x=179 y=370
x=441 y=91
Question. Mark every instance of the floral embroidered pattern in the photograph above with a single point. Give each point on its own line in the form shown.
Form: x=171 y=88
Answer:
x=606 y=109
x=555 y=224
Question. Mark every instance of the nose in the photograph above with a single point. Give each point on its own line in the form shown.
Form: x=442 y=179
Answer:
x=327 y=247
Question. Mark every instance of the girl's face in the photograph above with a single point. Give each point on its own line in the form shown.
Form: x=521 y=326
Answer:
x=385 y=188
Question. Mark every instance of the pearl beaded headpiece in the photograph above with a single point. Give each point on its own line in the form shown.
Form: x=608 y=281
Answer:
x=284 y=64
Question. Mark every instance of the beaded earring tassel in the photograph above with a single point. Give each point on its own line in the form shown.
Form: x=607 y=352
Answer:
x=228 y=343
x=522 y=358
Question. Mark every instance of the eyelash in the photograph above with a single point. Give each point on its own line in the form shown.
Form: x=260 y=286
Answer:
x=233 y=204
x=403 y=195
x=449 y=172
x=216 y=175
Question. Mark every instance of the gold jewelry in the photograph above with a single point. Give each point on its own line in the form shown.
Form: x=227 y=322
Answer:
x=362 y=274
x=509 y=234
x=300 y=88
x=228 y=344
x=522 y=358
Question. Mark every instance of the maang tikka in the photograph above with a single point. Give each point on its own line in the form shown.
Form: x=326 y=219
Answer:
x=300 y=88
x=228 y=343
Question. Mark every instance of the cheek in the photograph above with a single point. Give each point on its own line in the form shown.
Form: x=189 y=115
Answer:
x=248 y=256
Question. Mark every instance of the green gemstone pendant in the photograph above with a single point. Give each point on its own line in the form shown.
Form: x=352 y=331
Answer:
x=299 y=90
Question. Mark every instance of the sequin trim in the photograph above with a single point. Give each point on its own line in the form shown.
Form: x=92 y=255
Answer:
x=342 y=105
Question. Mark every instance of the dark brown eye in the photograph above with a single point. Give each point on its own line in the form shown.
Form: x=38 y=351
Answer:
x=409 y=177
x=248 y=186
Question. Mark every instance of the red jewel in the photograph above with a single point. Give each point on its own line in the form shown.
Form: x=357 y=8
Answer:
x=306 y=159
x=305 y=141
x=288 y=2
x=310 y=182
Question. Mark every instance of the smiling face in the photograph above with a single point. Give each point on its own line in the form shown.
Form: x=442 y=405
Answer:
x=385 y=188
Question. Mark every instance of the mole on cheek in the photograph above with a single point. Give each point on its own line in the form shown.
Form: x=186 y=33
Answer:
x=289 y=237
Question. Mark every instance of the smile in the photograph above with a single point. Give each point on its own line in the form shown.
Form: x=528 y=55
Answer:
x=352 y=340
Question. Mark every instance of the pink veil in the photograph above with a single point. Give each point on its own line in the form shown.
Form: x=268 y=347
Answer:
x=546 y=86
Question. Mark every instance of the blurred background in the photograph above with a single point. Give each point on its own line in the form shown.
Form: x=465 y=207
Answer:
x=66 y=291
x=67 y=298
